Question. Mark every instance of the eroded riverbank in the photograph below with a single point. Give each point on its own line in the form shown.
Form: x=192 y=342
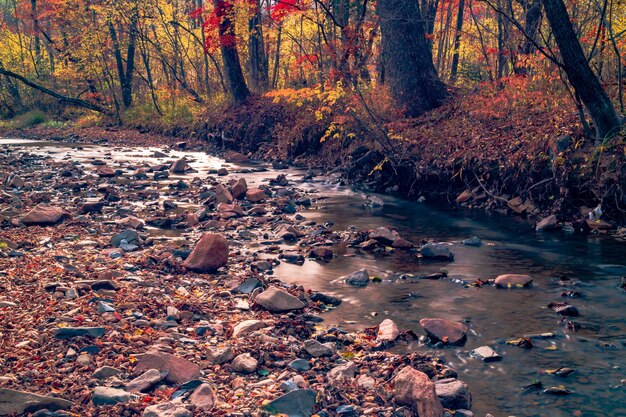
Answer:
x=493 y=316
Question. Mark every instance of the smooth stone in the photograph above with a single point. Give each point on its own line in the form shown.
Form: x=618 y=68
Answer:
x=203 y=397
x=105 y=372
x=145 y=381
x=446 y=331
x=244 y=364
x=69 y=332
x=359 y=278
x=44 y=215
x=437 y=251
x=130 y=236
x=166 y=410
x=513 y=281
x=247 y=326
x=300 y=365
x=277 y=301
x=414 y=389
x=298 y=403
x=317 y=349
x=179 y=370
x=453 y=394
x=486 y=354
x=109 y=396
x=20 y=402
x=472 y=241
x=387 y=331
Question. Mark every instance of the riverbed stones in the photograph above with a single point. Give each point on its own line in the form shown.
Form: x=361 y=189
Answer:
x=105 y=171
x=179 y=370
x=317 y=349
x=130 y=236
x=203 y=397
x=297 y=403
x=547 y=224
x=387 y=332
x=19 y=402
x=210 y=253
x=486 y=354
x=564 y=309
x=437 y=251
x=44 y=215
x=145 y=381
x=513 y=281
x=247 y=326
x=414 y=389
x=343 y=372
x=70 y=332
x=240 y=188
x=180 y=166
x=277 y=301
x=220 y=355
x=109 y=396
x=255 y=195
x=168 y=409
x=105 y=372
x=358 y=278
x=453 y=394
x=244 y=363
x=445 y=331
x=235 y=157
x=222 y=195
x=384 y=235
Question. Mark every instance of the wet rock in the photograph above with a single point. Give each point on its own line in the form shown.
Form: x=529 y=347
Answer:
x=343 y=372
x=145 y=381
x=359 y=278
x=18 y=402
x=166 y=410
x=178 y=369
x=249 y=285
x=472 y=241
x=44 y=215
x=317 y=349
x=300 y=365
x=325 y=298
x=513 y=281
x=105 y=372
x=235 y=157
x=240 y=188
x=180 y=166
x=453 y=394
x=401 y=243
x=69 y=332
x=414 y=389
x=210 y=253
x=222 y=195
x=256 y=195
x=130 y=236
x=547 y=224
x=387 y=332
x=277 y=301
x=464 y=197
x=298 y=403
x=105 y=171
x=203 y=397
x=244 y=364
x=321 y=252
x=486 y=354
x=109 y=396
x=564 y=309
x=445 y=331
x=384 y=235
x=220 y=355
x=92 y=207
x=247 y=326
x=437 y=251
x=559 y=390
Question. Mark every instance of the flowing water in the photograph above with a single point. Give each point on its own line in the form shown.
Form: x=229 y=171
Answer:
x=510 y=245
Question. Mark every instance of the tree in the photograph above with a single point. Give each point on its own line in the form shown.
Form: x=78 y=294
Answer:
x=579 y=73
x=228 y=46
x=409 y=70
x=259 y=75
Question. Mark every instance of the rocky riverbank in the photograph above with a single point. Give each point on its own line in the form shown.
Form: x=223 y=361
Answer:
x=147 y=289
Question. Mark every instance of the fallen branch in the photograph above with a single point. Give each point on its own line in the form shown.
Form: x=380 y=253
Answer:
x=70 y=100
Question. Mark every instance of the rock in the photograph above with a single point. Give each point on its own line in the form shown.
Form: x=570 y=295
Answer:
x=558 y=390
x=297 y=403
x=366 y=381
x=325 y=298
x=513 y=281
x=249 y=285
x=464 y=197
x=384 y=235
x=343 y=372
x=359 y=278
x=210 y=254
x=401 y=243
x=109 y=396
x=387 y=332
x=130 y=236
x=233 y=209
x=321 y=252
x=203 y=397
x=105 y=372
x=276 y=301
x=69 y=332
x=92 y=207
x=180 y=166
x=235 y=157
x=453 y=394
x=14 y=402
x=300 y=365
x=44 y=215
x=222 y=195
x=317 y=349
x=564 y=309
x=219 y=356
x=256 y=195
x=472 y=241
x=166 y=410
x=239 y=189
x=414 y=389
x=486 y=354
x=438 y=251
x=247 y=326
x=179 y=370
x=105 y=171
x=547 y=224
x=244 y=364
x=145 y=381
x=445 y=331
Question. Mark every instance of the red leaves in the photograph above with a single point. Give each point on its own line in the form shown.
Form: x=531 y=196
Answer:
x=283 y=8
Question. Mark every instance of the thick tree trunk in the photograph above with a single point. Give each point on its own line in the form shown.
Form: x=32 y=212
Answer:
x=228 y=46
x=126 y=75
x=579 y=73
x=259 y=76
x=409 y=70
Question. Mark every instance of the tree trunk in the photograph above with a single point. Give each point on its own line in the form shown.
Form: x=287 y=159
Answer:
x=228 y=47
x=457 y=41
x=126 y=75
x=409 y=70
x=259 y=77
x=579 y=73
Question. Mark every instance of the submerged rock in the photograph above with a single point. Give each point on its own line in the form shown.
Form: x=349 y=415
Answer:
x=359 y=278
x=438 y=251
x=445 y=331
x=513 y=281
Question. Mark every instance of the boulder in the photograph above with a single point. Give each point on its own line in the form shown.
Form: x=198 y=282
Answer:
x=513 y=281
x=240 y=188
x=278 y=301
x=203 y=397
x=44 y=215
x=14 y=402
x=145 y=381
x=453 y=394
x=179 y=370
x=387 y=331
x=244 y=364
x=384 y=235
x=180 y=166
x=445 y=331
x=438 y=251
x=222 y=195
x=255 y=195
x=414 y=389
x=359 y=278
x=209 y=254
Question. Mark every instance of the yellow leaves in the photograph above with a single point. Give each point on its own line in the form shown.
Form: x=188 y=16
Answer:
x=132 y=359
x=380 y=165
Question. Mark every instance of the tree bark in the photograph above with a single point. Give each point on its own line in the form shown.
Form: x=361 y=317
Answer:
x=259 y=76
x=579 y=73
x=457 y=41
x=228 y=47
x=126 y=75
x=409 y=70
